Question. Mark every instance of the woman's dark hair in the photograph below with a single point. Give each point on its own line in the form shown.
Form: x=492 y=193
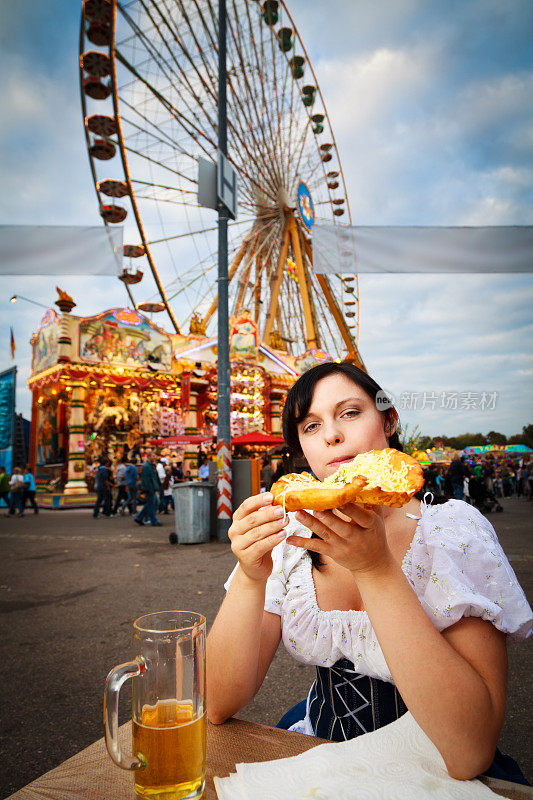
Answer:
x=300 y=396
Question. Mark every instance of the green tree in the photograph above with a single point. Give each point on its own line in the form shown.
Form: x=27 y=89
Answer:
x=527 y=436
x=493 y=437
x=465 y=440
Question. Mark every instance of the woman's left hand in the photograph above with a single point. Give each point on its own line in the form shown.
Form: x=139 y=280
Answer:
x=355 y=538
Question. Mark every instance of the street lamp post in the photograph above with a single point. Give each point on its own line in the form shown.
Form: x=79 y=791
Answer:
x=224 y=507
x=26 y=299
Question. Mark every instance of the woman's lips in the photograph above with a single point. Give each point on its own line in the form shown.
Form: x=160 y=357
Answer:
x=338 y=461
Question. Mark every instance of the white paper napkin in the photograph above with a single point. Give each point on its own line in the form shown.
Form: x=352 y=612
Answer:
x=396 y=762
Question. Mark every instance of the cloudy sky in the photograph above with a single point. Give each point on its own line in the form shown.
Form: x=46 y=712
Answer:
x=431 y=104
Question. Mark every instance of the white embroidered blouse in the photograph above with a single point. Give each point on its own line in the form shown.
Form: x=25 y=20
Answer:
x=455 y=564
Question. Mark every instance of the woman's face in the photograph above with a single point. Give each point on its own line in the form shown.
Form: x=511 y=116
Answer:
x=342 y=422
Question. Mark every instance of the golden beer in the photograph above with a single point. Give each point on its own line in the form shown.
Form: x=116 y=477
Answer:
x=172 y=745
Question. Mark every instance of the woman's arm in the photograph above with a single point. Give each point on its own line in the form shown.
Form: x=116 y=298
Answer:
x=453 y=683
x=240 y=647
x=244 y=638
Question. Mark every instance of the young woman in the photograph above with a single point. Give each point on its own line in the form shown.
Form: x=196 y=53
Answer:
x=398 y=608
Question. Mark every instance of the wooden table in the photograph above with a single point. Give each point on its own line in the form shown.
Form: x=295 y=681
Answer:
x=90 y=775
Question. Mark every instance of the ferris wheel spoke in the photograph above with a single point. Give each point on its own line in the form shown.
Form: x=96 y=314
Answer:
x=190 y=283
x=241 y=136
x=153 y=161
x=300 y=149
x=262 y=252
x=325 y=321
x=210 y=31
x=285 y=163
x=162 y=186
x=246 y=65
x=172 y=142
x=191 y=129
x=290 y=136
x=248 y=132
x=168 y=141
x=160 y=199
x=211 y=72
x=317 y=166
x=265 y=111
x=195 y=233
x=268 y=103
x=196 y=273
x=181 y=76
x=266 y=260
x=276 y=94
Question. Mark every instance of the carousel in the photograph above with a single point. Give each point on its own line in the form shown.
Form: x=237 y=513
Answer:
x=115 y=383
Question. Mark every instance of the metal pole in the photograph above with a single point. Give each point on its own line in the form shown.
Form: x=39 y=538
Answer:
x=224 y=510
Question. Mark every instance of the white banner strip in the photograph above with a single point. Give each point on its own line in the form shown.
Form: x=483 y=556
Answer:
x=360 y=248
x=60 y=250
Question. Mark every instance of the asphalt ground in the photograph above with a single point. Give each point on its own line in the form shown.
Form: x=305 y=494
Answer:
x=70 y=587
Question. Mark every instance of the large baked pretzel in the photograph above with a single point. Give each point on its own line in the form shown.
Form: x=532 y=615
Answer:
x=379 y=477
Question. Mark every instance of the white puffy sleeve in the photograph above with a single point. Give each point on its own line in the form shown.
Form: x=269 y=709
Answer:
x=457 y=568
x=284 y=559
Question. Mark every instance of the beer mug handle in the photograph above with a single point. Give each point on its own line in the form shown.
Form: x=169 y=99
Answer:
x=114 y=681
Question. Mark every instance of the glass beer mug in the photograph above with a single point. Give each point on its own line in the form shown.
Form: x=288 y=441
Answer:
x=168 y=714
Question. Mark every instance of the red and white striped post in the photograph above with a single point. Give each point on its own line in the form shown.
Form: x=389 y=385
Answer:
x=224 y=484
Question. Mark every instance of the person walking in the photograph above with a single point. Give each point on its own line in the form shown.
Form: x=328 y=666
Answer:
x=102 y=485
x=4 y=486
x=529 y=479
x=122 y=492
x=168 y=483
x=28 y=492
x=160 y=470
x=150 y=487
x=520 y=473
x=456 y=474
x=16 y=486
x=267 y=474
x=132 y=478
x=440 y=487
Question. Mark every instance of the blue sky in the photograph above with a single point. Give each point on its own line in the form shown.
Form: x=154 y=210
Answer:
x=431 y=105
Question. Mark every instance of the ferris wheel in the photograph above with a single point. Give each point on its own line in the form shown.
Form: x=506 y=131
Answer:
x=149 y=82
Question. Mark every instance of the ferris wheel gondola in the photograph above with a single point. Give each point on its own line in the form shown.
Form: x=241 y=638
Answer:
x=152 y=93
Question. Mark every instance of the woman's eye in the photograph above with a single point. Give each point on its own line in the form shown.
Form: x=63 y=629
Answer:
x=310 y=427
x=351 y=412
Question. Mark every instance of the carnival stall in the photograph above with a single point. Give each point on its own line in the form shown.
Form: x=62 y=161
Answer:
x=115 y=382
x=436 y=455
x=496 y=452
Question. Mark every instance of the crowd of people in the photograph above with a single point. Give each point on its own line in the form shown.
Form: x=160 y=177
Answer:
x=132 y=483
x=148 y=481
x=479 y=481
x=18 y=490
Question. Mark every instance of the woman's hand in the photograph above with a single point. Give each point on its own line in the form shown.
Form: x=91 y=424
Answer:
x=257 y=528
x=353 y=536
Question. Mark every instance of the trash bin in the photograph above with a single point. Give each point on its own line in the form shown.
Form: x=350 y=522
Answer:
x=192 y=512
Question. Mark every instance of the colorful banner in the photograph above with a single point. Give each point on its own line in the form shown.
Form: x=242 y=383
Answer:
x=126 y=338
x=46 y=343
x=493 y=448
x=8 y=380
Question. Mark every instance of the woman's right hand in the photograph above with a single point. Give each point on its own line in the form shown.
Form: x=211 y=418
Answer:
x=258 y=526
